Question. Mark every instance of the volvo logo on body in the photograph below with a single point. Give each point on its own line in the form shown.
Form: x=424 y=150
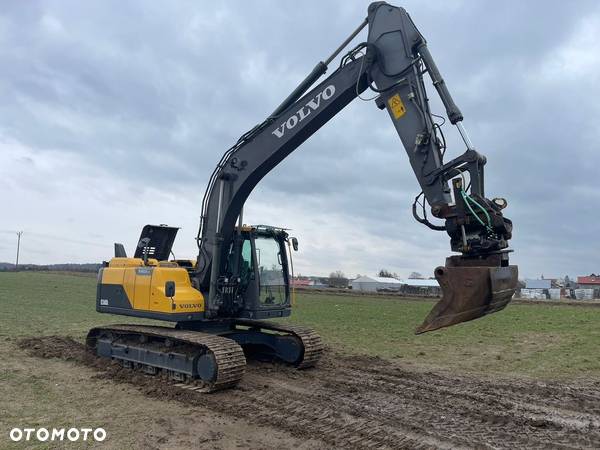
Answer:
x=305 y=111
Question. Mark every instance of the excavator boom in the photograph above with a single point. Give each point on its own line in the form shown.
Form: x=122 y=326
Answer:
x=392 y=62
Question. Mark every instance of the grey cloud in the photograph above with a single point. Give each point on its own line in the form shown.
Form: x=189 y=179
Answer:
x=152 y=94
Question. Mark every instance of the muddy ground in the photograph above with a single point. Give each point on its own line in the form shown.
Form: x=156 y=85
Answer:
x=362 y=402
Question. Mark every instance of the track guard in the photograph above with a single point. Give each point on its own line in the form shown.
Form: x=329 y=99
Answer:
x=469 y=292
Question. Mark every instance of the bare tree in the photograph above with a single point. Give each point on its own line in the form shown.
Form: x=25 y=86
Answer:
x=384 y=273
x=415 y=276
x=338 y=279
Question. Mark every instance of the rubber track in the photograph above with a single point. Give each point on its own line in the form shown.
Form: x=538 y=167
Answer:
x=229 y=356
x=311 y=341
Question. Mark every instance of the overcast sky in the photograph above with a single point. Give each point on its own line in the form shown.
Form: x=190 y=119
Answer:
x=113 y=115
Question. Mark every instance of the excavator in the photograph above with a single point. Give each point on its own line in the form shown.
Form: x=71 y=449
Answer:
x=219 y=304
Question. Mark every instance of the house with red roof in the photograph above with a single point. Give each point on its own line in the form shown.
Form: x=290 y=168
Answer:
x=589 y=282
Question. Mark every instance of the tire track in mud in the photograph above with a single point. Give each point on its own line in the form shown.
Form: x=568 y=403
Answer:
x=367 y=402
x=574 y=396
x=533 y=413
x=465 y=414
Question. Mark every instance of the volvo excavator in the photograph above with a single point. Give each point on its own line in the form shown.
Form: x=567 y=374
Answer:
x=219 y=303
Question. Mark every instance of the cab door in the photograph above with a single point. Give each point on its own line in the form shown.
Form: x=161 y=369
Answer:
x=271 y=272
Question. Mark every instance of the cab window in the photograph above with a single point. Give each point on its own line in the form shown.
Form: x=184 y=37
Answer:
x=272 y=288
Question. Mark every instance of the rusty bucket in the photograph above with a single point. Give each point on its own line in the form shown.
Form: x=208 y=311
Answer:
x=469 y=292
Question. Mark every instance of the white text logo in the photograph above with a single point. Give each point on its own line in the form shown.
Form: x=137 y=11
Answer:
x=305 y=111
x=57 y=434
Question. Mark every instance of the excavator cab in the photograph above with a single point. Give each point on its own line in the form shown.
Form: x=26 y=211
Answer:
x=257 y=270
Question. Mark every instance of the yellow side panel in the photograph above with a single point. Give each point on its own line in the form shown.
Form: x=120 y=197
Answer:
x=129 y=283
x=141 y=293
x=186 y=299
x=112 y=275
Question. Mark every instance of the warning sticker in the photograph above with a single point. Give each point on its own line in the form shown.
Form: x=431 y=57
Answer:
x=396 y=106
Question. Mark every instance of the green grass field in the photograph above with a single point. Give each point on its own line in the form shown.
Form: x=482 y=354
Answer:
x=526 y=340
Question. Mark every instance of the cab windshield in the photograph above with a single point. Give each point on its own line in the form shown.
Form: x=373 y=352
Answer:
x=272 y=289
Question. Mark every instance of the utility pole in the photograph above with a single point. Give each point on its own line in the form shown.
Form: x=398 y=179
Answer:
x=19 y=233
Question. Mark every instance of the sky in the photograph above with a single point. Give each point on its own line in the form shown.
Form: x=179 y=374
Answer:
x=113 y=115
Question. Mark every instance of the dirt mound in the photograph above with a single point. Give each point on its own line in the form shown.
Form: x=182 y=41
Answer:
x=53 y=347
x=363 y=402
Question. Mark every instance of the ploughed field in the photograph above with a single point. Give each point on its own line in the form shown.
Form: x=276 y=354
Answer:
x=526 y=377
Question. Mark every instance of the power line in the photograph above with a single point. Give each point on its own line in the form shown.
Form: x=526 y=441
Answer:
x=58 y=238
x=64 y=239
x=19 y=234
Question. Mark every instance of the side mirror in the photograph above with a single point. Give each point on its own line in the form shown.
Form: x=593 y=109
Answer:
x=170 y=289
x=295 y=244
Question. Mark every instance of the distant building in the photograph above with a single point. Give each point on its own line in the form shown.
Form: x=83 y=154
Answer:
x=302 y=282
x=538 y=294
x=419 y=287
x=585 y=294
x=537 y=289
x=538 y=284
x=409 y=286
x=309 y=282
x=589 y=282
x=338 y=282
x=589 y=287
x=417 y=282
x=373 y=284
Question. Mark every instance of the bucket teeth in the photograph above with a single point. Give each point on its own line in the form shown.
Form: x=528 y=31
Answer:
x=469 y=293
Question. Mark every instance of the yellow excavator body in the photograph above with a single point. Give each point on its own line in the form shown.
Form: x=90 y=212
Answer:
x=142 y=287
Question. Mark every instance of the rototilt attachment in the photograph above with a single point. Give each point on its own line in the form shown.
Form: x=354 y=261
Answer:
x=471 y=289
